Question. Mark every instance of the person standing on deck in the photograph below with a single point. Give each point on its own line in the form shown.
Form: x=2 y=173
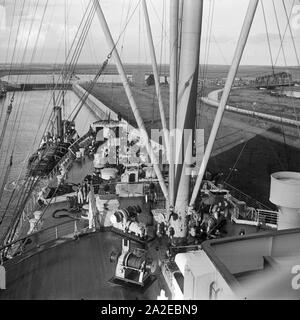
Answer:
x=92 y=213
x=80 y=195
x=85 y=190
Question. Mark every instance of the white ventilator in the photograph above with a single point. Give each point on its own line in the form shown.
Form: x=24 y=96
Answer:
x=285 y=194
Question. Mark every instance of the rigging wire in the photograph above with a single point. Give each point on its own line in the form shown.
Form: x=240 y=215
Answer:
x=126 y=20
x=20 y=108
x=66 y=67
x=8 y=113
x=279 y=31
x=8 y=46
x=117 y=41
x=206 y=55
x=11 y=198
x=268 y=37
x=12 y=195
x=93 y=82
x=291 y=33
x=285 y=31
x=108 y=57
x=7 y=173
x=236 y=162
x=16 y=40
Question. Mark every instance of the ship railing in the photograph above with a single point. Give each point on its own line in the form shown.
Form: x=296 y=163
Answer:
x=263 y=218
x=256 y=213
x=238 y=194
x=268 y=218
x=56 y=170
x=68 y=156
x=43 y=239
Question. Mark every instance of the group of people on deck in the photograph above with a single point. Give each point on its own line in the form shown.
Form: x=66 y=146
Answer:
x=83 y=190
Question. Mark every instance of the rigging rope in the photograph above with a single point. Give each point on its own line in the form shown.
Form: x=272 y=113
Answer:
x=28 y=190
x=16 y=40
x=88 y=91
x=8 y=112
x=6 y=178
x=21 y=103
x=268 y=38
x=67 y=66
x=285 y=31
x=291 y=33
x=101 y=70
x=279 y=31
x=21 y=199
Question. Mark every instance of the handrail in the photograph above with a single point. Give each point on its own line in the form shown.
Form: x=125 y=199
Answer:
x=262 y=214
x=242 y=195
x=33 y=234
x=267 y=217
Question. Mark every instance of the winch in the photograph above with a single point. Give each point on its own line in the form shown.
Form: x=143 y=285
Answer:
x=132 y=265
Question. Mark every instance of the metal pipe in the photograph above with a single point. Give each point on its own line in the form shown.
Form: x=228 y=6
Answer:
x=174 y=9
x=222 y=106
x=156 y=78
x=129 y=94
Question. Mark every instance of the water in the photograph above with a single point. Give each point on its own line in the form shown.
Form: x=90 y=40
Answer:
x=29 y=117
x=49 y=78
x=56 y=78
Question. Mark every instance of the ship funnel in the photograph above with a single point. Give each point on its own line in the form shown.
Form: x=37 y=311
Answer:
x=285 y=194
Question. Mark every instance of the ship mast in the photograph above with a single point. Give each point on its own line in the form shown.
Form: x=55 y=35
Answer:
x=191 y=25
x=174 y=9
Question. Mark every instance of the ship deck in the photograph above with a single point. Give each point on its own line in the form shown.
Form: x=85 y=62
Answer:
x=78 y=270
x=79 y=267
x=56 y=265
x=262 y=147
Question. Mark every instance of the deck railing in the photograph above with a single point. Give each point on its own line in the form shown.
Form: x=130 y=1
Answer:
x=267 y=217
x=238 y=194
x=264 y=218
x=257 y=213
x=38 y=240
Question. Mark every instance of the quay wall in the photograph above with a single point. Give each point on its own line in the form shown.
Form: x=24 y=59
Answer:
x=213 y=100
x=100 y=110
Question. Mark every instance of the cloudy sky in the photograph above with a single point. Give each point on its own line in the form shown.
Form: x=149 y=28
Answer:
x=40 y=30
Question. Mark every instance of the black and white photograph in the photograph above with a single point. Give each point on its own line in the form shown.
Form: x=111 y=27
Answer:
x=149 y=150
